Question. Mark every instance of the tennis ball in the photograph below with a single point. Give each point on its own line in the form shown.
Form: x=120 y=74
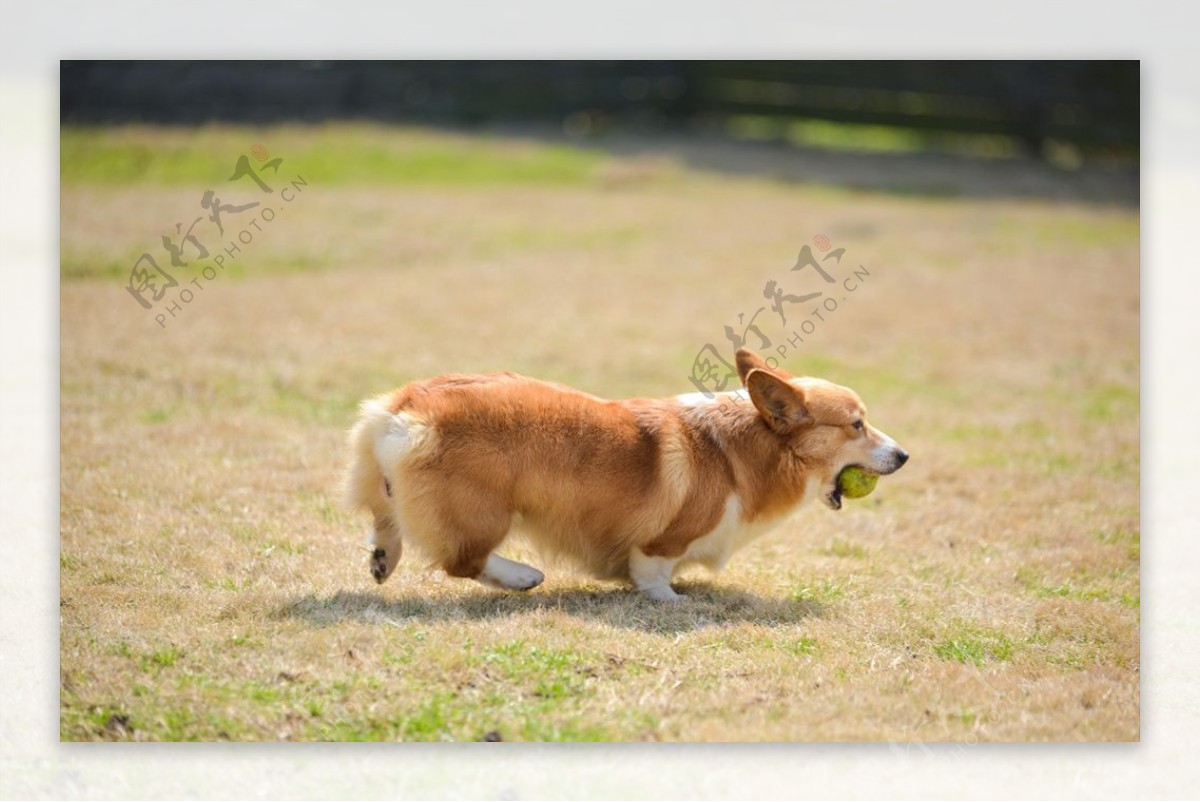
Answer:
x=855 y=482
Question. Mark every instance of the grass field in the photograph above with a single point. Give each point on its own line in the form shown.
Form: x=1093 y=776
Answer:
x=212 y=588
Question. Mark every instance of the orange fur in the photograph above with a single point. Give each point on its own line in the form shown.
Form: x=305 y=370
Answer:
x=453 y=463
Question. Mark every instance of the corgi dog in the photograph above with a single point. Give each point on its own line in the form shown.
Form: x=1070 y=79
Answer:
x=629 y=490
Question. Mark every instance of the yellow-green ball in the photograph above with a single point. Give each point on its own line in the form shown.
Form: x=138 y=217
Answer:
x=856 y=483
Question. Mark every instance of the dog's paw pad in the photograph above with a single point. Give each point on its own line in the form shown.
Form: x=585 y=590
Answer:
x=379 y=568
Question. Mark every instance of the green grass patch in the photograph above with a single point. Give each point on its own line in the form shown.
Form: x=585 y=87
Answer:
x=803 y=646
x=529 y=240
x=74 y=264
x=868 y=138
x=517 y=706
x=157 y=415
x=180 y=725
x=1097 y=232
x=1015 y=456
x=521 y=659
x=975 y=433
x=449 y=716
x=160 y=658
x=975 y=646
x=340 y=153
x=292 y=400
x=1084 y=587
x=112 y=722
x=1066 y=590
x=281 y=547
x=121 y=649
x=828 y=135
x=225 y=583
x=824 y=591
x=1111 y=402
x=86 y=264
x=844 y=549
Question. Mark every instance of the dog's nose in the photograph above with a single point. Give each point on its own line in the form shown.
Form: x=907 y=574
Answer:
x=901 y=457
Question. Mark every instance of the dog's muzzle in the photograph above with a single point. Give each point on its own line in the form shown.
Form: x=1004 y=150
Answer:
x=893 y=461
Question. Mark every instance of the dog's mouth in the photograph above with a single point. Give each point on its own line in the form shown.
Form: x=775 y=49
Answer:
x=833 y=492
x=833 y=498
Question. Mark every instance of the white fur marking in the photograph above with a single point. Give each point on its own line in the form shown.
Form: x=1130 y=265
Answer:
x=394 y=444
x=731 y=532
x=883 y=456
x=652 y=575
x=713 y=550
x=509 y=575
x=702 y=400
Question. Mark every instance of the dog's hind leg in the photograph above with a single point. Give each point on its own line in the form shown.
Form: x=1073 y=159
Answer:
x=386 y=548
x=469 y=553
x=475 y=560
x=508 y=574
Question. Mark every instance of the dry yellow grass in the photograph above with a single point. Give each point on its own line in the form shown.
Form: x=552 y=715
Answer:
x=211 y=589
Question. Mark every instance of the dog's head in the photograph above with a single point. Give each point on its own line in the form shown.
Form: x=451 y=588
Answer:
x=823 y=424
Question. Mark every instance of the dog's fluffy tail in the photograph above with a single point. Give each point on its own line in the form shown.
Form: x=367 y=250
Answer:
x=365 y=485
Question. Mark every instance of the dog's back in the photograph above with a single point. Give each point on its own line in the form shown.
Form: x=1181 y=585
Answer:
x=466 y=458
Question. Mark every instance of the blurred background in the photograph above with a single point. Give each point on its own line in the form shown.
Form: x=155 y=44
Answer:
x=1069 y=114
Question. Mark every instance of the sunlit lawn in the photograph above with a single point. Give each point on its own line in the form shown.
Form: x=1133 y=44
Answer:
x=212 y=589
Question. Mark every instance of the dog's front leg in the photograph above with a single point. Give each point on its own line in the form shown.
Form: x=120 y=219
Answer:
x=652 y=575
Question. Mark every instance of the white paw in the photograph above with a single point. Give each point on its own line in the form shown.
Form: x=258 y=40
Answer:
x=510 y=575
x=663 y=593
x=652 y=576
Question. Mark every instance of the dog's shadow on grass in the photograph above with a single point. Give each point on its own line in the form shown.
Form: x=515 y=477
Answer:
x=705 y=606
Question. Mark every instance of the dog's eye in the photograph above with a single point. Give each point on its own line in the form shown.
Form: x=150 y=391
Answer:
x=858 y=425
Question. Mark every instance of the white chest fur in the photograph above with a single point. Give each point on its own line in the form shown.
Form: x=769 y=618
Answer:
x=731 y=533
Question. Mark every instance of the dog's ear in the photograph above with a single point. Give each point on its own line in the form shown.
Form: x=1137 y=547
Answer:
x=747 y=361
x=780 y=404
